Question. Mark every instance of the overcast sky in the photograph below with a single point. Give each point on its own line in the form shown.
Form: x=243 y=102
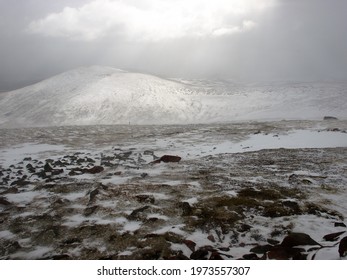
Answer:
x=242 y=40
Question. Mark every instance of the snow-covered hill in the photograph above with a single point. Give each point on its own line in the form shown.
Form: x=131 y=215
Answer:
x=105 y=95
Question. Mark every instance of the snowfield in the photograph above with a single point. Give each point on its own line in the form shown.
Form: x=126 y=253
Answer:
x=100 y=163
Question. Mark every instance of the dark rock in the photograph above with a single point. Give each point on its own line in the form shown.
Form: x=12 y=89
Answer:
x=297 y=239
x=61 y=257
x=90 y=210
x=261 y=249
x=144 y=198
x=285 y=253
x=186 y=208
x=243 y=227
x=21 y=182
x=200 y=254
x=30 y=168
x=272 y=241
x=333 y=236
x=27 y=159
x=339 y=225
x=211 y=238
x=329 y=118
x=47 y=167
x=167 y=158
x=95 y=169
x=4 y=201
x=215 y=256
x=92 y=195
x=343 y=247
x=251 y=257
x=190 y=244
x=135 y=214
x=10 y=190
x=173 y=237
x=144 y=175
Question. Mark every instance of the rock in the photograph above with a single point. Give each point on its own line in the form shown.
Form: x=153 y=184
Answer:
x=90 y=210
x=135 y=214
x=4 y=201
x=329 y=118
x=167 y=158
x=27 y=159
x=200 y=254
x=47 y=167
x=186 y=208
x=92 y=195
x=243 y=227
x=190 y=244
x=30 y=168
x=339 y=224
x=145 y=198
x=284 y=253
x=10 y=190
x=333 y=236
x=297 y=239
x=144 y=175
x=215 y=256
x=343 y=247
x=95 y=169
x=261 y=249
x=211 y=238
x=61 y=257
x=251 y=257
x=21 y=182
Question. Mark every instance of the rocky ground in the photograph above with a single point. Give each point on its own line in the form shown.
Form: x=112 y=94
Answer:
x=102 y=193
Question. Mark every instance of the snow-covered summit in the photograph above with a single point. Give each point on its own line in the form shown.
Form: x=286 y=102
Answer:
x=97 y=95
x=105 y=95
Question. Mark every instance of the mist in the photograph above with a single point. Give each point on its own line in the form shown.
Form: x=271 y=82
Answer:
x=274 y=40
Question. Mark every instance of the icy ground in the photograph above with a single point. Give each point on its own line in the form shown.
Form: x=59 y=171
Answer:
x=91 y=192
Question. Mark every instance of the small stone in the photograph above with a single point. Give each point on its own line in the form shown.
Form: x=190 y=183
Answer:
x=190 y=244
x=211 y=238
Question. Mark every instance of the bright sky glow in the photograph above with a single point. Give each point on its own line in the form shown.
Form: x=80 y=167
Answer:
x=153 y=20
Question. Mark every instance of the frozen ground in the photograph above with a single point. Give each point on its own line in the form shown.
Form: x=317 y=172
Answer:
x=91 y=192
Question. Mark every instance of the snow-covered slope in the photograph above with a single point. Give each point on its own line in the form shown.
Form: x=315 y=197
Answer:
x=105 y=95
x=97 y=95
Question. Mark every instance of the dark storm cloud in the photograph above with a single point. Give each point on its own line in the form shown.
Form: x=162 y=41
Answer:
x=291 y=40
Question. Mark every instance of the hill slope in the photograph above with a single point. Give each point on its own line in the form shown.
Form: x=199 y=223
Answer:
x=105 y=95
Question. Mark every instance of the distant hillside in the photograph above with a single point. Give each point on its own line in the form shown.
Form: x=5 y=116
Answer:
x=105 y=95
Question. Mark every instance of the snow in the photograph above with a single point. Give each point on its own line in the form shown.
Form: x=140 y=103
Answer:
x=104 y=95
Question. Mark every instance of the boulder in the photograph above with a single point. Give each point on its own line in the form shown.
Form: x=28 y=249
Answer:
x=343 y=247
x=298 y=239
x=333 y=236
x=329 y=118
x=167 y=158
